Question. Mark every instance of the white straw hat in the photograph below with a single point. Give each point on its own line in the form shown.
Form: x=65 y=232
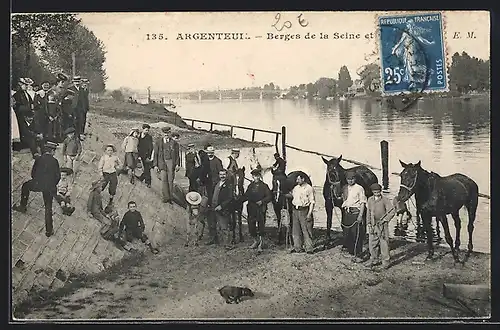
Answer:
x=193 y=198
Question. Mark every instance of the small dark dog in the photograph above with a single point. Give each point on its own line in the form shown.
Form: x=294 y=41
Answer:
x=234 y=293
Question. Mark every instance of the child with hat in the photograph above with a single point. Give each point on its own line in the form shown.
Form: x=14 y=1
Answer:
x=130 y=146
x=71 y=149
x=64 y=192
x=379 y=212
x=197 y=210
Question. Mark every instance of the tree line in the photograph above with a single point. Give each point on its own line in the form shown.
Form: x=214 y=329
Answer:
x=43 y=45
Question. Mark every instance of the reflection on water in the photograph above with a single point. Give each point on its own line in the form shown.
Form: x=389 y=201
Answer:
x=447 y=135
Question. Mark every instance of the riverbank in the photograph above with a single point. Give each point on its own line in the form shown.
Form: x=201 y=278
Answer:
x=182 y=282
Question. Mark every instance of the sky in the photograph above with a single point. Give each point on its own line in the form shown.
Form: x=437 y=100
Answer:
x=187 y=65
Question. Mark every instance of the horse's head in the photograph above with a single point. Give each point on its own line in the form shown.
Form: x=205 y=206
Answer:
x=409 y=177
x=334 y=175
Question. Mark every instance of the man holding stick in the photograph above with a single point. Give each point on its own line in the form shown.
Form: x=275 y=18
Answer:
x=379 y=212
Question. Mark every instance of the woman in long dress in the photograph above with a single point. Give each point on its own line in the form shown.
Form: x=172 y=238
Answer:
x=412 y=54
x=14 y=126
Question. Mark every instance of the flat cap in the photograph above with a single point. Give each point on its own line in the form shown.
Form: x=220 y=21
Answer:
x=62 y=76
x=67 y=170
x=77 y=78
x=190 y=145
x=69 y=130
x=256 y=172
x=51 y=145
x=235 y=150
x=376 y=187
x=166 y=129
x=210 y=149
x=350 y=175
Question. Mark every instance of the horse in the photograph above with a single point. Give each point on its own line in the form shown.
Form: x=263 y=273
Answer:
x=335 y=182
x=237 y=181
x=438 y=196
x=283 y=187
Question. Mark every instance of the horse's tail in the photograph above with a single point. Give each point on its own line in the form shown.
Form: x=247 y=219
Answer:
x=472 y=203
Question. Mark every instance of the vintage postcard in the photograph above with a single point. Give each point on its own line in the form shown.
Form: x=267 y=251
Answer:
x=250 y=165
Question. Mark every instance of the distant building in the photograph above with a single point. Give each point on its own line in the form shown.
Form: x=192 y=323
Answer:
x=357 y=88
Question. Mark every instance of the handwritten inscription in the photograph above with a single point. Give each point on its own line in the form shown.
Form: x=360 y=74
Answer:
x=279 y=26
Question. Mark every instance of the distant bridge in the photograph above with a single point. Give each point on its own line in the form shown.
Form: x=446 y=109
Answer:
x=246 y=94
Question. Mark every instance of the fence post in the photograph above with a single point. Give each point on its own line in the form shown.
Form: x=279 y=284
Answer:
x=192 y=123
x=231 y=131
x=253 y=135
x=276 y=141
x=283 y=142
x=384 y=152
x=211 y=127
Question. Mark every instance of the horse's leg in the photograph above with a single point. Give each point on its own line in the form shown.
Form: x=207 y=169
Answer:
x=426 y=222
x=240 y=229
x=458 y=227
x=444 y=221
x=329 y=213
x=438 y=231
x=233 y=227
x=471 y=209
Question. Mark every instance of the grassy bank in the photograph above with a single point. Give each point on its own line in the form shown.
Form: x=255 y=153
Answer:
x=157 y=116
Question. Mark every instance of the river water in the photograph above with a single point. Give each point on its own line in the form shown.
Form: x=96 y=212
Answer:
x=447 y=135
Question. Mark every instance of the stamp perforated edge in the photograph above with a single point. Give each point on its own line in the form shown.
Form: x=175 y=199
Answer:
x=444 y=38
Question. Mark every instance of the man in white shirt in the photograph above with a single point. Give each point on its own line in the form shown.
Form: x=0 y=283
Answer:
x=353 y=209
x=302 y=217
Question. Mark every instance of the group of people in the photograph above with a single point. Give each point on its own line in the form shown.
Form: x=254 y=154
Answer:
x=57 y=113
x=48 y=111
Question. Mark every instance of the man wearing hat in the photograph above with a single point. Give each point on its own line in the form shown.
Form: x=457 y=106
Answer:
x=220 y=215
x=145 y=149
x=85 y=104
x=77 y=105
x=215 y=165
x=192 y=162
x=278 y=170
x=353 y=209
x=197 y=210
x=258 y=196
x=31 y=134
x=45 y=176
x=165 y=161
x=379 y=211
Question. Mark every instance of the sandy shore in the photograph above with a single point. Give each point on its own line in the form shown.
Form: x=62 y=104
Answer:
x=182 y=282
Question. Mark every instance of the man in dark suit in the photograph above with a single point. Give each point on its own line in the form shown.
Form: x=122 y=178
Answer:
x=215 y=165
x=85 y=100
x=40 y=102
x=33 y=137
x=165 y=161
x=145 y=149
x=220 y=203
x=45 y=176
x=77 y=105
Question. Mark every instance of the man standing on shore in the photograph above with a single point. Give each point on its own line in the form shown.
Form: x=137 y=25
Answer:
x=258 y=196
x=302 y=216
x=353 y=209
x=215 y=165
x=221 y=212
x=191 y=163
x=145 y=149
x=45 y=176
x=164 y=158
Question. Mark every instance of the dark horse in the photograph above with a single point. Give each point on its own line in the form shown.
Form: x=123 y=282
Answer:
x=282 y=187
x=438 y=196
x=335 y=182
x=237 y=181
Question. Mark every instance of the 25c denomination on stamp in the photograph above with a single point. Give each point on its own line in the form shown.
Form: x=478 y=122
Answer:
x=412 y=53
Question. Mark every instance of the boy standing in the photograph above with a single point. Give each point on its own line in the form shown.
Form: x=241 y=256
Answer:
x=71 y=149
x=379 y=212
x=132 y=226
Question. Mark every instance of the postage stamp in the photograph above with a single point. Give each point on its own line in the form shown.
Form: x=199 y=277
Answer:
x=412 y=53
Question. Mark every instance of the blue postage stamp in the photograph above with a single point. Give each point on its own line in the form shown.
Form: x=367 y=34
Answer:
x=412 y=53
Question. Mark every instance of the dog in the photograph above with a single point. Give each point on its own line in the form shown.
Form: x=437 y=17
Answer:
x=234 y=293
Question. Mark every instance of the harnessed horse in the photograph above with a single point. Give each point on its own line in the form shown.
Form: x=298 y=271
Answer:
x=438 y=196
x=336 y=181
x=280 y=189
x=237 y=182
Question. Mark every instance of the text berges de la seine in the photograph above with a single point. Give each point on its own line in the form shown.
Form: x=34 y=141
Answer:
x=268 y=36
